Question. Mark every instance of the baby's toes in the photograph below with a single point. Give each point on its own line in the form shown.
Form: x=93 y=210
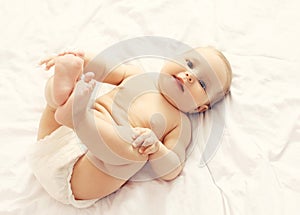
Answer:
x=92 y=84
x=82 y=96
x=87 y=77
x=85 y=89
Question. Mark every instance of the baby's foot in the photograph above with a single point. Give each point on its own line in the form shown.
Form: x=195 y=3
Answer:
x=83 y=92
x=68 y=69
x=77 y=104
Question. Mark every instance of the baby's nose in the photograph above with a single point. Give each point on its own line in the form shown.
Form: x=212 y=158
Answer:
x=188 y=77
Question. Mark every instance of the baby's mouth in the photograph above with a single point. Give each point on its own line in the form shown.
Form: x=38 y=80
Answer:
x=179 y=82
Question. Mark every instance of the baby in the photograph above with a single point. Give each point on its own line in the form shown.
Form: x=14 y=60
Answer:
x=143 y=119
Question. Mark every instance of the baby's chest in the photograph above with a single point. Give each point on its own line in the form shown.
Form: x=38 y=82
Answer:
x=151 y=111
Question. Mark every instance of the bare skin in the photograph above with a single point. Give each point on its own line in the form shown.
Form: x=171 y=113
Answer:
x=64 y=81
x=151 y=110
x=86 y=179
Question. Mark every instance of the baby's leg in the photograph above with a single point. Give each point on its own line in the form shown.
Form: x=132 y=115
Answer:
x=82 y=90
x=107 y=141
x=68 y=69
x=47 y=124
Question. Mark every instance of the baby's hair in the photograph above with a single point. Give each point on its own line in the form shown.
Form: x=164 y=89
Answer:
x=227 y=65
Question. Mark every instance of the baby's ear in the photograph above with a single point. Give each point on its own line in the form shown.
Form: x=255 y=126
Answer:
x=201 y=108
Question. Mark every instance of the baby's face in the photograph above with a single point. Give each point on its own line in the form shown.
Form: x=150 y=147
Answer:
x=195 y=82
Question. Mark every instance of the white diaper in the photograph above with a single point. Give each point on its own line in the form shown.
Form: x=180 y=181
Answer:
x=52 y=159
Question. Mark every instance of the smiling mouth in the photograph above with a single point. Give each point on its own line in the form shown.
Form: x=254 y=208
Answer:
x=179 y=83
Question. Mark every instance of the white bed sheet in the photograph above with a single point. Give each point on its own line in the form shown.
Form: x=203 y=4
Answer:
x=256 y=169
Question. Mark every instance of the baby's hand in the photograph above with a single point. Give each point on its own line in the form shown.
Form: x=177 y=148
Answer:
x=48 y=61
x=146 y=140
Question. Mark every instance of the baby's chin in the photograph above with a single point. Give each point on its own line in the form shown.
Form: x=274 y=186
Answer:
x=173 y=94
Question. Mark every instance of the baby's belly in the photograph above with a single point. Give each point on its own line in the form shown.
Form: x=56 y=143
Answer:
x=148 y=111
x=117 y=112
x=119 y=116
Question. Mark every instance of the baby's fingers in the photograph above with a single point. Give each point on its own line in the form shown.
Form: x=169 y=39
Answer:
x=50 y=63
x=138 y=141
x=45 y=60
x=137 y=132
x=148 y=142
x=150 y=150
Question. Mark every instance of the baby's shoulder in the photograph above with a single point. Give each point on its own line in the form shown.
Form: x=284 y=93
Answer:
x=184 y=120
x=180 y=122
x=181 y=133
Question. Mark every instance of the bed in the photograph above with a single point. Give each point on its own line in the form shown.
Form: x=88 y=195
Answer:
x=254 y=166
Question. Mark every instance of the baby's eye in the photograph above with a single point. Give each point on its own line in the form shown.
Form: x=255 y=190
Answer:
x=189 y=63
x=203 y=85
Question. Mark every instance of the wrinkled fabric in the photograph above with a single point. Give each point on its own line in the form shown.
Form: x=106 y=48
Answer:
x=251 y=164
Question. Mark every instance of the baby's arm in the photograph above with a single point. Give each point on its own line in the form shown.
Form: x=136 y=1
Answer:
x=167 y=158
x=101 y=69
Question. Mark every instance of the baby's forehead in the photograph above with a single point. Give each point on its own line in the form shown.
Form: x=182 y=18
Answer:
x=199 y=55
